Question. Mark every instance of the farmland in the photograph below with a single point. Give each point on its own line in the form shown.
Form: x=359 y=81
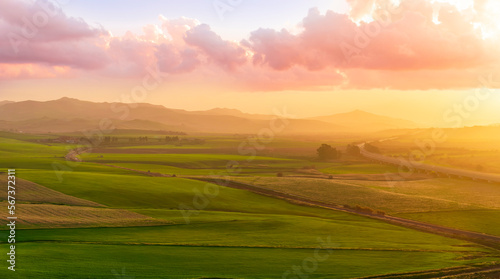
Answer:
x=472 y=148
x=111 y=212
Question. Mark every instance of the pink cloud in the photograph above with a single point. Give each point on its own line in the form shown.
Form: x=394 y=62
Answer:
x=413 y=41
x=39 y=32
x=45 y=20
x=223 y=53
x=174 y=60
x=32 y=71
x=406 y=49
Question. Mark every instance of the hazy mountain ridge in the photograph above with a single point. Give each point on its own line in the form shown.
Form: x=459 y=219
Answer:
x=68 y=115
x=5 y=102
x=233 y=112
x=45 y=125
x=368 y=121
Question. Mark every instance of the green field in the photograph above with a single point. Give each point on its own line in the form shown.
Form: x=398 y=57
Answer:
x=435 y=194
x=135 y=261
x=93 y=220
x=471 y=148
x=483 y=220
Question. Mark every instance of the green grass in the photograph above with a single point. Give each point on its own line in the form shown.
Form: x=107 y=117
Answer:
x=188 y=160
x=137 y=261
x=16 y=148
x=239 y=170
x=485 y=221
x=160 y=145
x=237 y=234
x=264 y=230
x=130 y=191
x=166 y=169
x=355 y=192
x=24 y=136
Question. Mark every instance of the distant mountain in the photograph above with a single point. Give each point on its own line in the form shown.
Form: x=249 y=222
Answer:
x=69 y=115
x=45 y=125
x=365 y=121
x=233 y=112
x=5 y=102
x=68 y=108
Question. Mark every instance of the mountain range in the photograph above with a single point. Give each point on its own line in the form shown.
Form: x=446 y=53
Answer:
x=70 y=115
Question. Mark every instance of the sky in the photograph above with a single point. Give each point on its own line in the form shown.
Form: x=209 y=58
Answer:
x=423 y=60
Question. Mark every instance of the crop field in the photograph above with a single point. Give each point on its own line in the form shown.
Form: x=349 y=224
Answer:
x=455 y=203
x=354 y=193
x=481 y=220
x=107 y=217
x=34 y=193
x=60 y=216
x=463 y=150
x=138 y=261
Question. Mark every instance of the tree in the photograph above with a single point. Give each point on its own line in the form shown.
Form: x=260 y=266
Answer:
x=326 y=152
x=372 y=148
x=353 y=150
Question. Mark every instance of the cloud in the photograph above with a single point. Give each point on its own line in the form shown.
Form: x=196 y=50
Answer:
x=32 y=71
x=413 y=42
x=416 y=45
x=360 y=8
x=406 y=43
x=226 y=54
x=173 y=60
x=39 y=32
x=280 y=50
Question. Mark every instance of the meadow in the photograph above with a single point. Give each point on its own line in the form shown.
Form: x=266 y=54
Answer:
x=135 y=261
x=462 y=204
x=92 y=219
x=471 y=148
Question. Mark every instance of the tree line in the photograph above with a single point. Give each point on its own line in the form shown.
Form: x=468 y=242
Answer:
x=327 y=152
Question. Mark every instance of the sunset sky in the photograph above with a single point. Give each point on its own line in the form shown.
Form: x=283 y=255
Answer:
x=414 y=59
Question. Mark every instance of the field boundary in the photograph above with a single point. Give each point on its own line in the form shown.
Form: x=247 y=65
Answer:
x=489 y=241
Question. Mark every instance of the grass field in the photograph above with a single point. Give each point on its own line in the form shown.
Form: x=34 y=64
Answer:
x=472 y=148
x=356 y=192
x=472 y=220
x=90 y=220
x=262 y=230
x=34 y=193
x=138 y=261
x=61 y=216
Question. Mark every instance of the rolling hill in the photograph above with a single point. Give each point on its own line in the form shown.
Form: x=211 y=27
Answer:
x=69 y=115
x=367 y=121
x=5 y=102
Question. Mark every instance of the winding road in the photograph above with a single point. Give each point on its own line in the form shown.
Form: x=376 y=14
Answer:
x=491 y=241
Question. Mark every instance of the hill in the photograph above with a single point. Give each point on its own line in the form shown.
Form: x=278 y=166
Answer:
x=361 y=120
x=5 y=102
x=69 y=115
x=234 y=112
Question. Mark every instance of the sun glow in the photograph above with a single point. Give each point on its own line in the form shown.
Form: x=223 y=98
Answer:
x=486 y=15
x=460 y=4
